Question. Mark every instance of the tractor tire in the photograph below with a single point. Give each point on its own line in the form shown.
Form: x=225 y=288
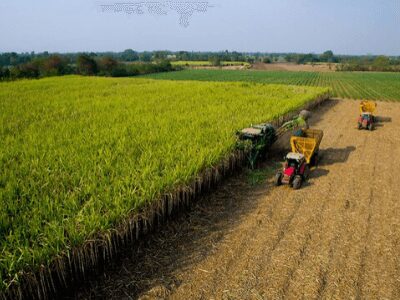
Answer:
x=371 y=127
x=297 y=182
x=278 y=179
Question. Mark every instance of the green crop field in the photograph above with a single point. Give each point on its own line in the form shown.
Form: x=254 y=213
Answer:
x=80 y=154
x=353 y=85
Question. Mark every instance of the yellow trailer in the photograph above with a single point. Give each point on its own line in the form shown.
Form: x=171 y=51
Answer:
x=297 y=163
x=307 y=144
x=367 y=107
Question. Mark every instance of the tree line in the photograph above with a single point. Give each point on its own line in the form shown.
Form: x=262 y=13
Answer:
x=131 y=63
x=326 y=57
x=370 y=63
x=82 y=64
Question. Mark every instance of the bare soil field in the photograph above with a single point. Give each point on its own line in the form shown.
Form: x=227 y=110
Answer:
x=336 y=238
x=220 y=68
x=322 y=67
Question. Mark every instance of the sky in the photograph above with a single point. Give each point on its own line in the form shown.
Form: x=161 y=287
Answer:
x=305 y=26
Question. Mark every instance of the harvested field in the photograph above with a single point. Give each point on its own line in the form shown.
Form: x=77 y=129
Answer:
x=320 y=67
x=225 y=65
x=338 y=237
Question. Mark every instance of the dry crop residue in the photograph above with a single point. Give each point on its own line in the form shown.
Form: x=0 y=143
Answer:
x=321 y=67
x=338 y=237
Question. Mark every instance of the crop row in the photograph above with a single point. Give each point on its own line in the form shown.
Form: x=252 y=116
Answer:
x=352 y=85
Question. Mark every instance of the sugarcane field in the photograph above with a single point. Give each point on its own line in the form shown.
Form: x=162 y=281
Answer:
x=263 y=171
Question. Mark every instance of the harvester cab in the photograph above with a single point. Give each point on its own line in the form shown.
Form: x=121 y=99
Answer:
x=256 y=140
x=366 y=119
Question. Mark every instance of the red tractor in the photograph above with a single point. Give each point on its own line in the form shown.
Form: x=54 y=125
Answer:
x=304 y=153
x=366 y=119
x=295 y=171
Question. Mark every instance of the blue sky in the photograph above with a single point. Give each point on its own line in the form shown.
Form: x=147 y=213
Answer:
x=346 y=27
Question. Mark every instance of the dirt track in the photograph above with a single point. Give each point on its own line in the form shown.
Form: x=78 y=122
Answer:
x=338 y=237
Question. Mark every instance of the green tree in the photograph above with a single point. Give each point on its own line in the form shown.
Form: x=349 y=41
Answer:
x=4 y=73
x=250 y=59
x=215 y=61
x=183 y=55
x=160 y=55
x=27 y=70
x=108 y=65
x=381 y=63
x=129 y=55
x=266 y=60
x=53 y=66
x=145 y=56
x=86 y=65
x=327 y=56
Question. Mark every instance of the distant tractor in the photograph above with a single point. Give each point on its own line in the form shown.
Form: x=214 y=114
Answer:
x=256 y=140
x=366 y=120
x=304 y=154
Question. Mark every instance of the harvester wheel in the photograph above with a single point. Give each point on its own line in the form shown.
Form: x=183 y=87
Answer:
x=278 y=179
x=297 y=181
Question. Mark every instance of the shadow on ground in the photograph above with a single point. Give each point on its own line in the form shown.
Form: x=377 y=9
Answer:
x=380 y=119
x=318 y=172
x=332 y=156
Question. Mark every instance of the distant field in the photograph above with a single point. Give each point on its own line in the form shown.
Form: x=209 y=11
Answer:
x=207 y=63
x=353 y=85
x=79 y=154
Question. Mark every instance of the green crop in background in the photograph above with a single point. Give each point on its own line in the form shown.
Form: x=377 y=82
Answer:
x=353 y=85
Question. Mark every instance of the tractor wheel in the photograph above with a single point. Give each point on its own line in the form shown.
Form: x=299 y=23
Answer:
x=278 y=179
x=359 y=126
x=297 y=181
x=371 y=127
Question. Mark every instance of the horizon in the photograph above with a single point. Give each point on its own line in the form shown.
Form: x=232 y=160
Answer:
x=195 y=51
x=279 y=26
